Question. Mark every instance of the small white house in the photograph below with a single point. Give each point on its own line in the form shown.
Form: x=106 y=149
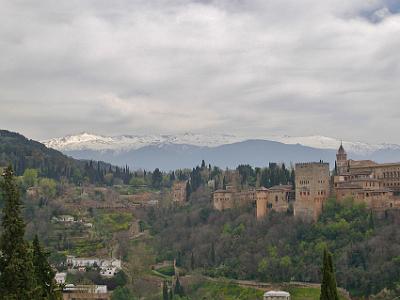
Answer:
x=60 y=278
x=276 y=295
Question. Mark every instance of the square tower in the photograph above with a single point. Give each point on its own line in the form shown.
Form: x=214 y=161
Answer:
x=312 y=189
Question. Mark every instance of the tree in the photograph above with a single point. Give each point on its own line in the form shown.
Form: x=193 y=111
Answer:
x=203 y=164
x=156 y=178
x=178 y=290
x=17 y=280
x=122 y=293
x=328 y=285
x=43 y=272
x=192 y=262
x=188 y=190
x=165 y=290
x=30 y=177
x=212 y=254
x=371 y=223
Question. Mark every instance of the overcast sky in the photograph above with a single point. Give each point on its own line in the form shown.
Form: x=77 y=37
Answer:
x=256 y=67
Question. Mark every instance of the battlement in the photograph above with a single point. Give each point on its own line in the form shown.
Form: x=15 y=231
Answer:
x=310 y=164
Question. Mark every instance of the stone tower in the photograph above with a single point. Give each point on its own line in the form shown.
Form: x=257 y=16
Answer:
x=312 y=189
x=341 y=160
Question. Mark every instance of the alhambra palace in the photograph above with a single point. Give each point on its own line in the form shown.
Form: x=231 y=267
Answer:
x=365 y=181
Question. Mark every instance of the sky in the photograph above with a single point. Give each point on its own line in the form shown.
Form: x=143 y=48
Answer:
x=256 y=68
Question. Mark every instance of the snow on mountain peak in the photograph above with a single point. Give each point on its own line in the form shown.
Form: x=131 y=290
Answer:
x=89 y=141
x=85 y=141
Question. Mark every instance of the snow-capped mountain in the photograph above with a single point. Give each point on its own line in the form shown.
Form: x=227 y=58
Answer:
x=88 y=141
x=169 y=152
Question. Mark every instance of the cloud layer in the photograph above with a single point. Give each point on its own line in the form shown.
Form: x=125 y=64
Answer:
x=247 y=67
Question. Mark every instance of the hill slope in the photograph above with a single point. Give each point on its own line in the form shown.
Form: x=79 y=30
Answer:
x=23 y=153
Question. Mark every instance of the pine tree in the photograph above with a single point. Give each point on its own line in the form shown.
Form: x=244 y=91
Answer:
x=17 y=280
x=44 y=273
x=328 y=285
x=165 y=290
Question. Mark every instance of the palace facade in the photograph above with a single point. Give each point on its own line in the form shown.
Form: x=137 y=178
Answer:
x=365 y=181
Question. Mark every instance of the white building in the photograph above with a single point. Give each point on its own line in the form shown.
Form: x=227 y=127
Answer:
x=60 y=278
x=108 y=272
x=76 y=262
x=95 y=289
x=276 y=295
x=64 y=219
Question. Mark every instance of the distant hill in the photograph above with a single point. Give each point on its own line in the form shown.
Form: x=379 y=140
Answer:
x=173 y=156
x=23 y=153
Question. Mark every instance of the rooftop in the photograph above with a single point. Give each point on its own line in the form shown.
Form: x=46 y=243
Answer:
x=277 y=294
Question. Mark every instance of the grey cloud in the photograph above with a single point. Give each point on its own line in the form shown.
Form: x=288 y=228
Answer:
x=248 y=67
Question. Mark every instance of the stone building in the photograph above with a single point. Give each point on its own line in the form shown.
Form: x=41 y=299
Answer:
x=312 y=189
x=223 y=199
x=230 y=198
x=365 y=181
x=277 y=198
x=179 y=191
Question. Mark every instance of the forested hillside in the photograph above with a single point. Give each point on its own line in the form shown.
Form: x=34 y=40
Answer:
x=23 y=153
x=281 y=248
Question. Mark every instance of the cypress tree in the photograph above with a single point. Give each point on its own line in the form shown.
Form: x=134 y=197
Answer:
x=371 y=223
x=165 y=290
x=192 y=265
x=17 y=280
x=188 y=190
x=328 y=285
x=212 y=254
x=203 y=164
x=178 y=288
x=44 y=273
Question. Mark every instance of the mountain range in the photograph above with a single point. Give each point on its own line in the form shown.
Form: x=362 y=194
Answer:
x=169 y=152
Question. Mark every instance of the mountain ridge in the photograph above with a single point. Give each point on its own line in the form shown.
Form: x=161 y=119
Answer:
x=89 y=141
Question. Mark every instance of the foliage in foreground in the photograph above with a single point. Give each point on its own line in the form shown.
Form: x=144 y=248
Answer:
x=328 y=285
x=23 y=274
